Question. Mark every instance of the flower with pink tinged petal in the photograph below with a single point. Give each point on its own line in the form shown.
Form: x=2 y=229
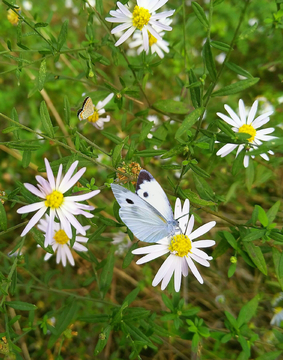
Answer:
x=142 y=18
x=51 y=192
x=182 y=248
x=248 y=124
x=61 y=242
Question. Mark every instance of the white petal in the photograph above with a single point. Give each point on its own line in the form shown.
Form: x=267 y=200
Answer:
x=125 y=36
x=50 y=229
x=124 y=10
x=155 y=5
x=265 y=157
x=34 y=220
x=103 y=103
x=163 y=270
x=242 y=111
x=199 y=253
x=68 y=175
x=203 y=243
x=178 y=275
x=34 y=190
x=70 y=217
x=148 y=249
x=151 y=256
x=121 y=28
x=32 y=207
x=228 y=120
x=190 y=226
x=69 y=255
x=240 y=148
x=83 y=197
x=64 y=188
x=178 y=209
x=246 y=161
x=233 y=115
x=185 y=269
x=59 y=175
x=169 y=273
x=226 y=149
x=46 y=188
x=50 y=175
x=202 y=230
x=200 y=260
x=265 y=131
x=79 y=247
x=185 y=216
x=252 y=112
x=47 y=256
x=145 y=39
x=194 y=269
x=262 y=119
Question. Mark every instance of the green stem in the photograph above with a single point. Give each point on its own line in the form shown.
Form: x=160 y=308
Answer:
x=92 y=144
x=14 y=227
x=210 y=89
x=110 y=168
x=13 y=268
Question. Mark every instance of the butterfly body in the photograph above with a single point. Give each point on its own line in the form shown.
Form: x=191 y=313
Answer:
x=147 y=213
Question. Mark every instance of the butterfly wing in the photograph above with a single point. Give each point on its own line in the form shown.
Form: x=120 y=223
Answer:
x=87 y=109
x=149 y=190
x=145 y=222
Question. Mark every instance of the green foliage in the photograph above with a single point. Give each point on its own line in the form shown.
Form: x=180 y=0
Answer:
x=163 y=117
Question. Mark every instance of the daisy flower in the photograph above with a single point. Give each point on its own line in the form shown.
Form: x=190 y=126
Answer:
x=183 y=250
x=142 y=18
x=61 y=242
x=91 y=112
x=51 y=192
x=157 y=46
x=277 y=317
x=248 y=124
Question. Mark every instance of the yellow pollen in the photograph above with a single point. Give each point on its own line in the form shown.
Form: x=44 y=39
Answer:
x=61 y=237
x=151 y=39
x=94 y=117
x=141 y=17
x=248 y=129
x=12 y=17
x=278 y=309
x=54 y=200
x=180 y=245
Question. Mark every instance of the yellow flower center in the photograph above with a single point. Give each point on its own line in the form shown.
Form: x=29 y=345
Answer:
x=12 y=17
x=151 y=39
x=278 y=309
x=248 y=129
x=141 y=17
x=61 y=237
x=94 y=117
x=180 y=245
x=54 y=200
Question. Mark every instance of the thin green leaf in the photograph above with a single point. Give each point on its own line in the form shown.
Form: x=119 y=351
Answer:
x=256 y=255
x=238 y=70
x=46 y=121
x=200 y=14
x=272 y=212
x=67 y=110
x=171 y=106
x=220 y=45
x=248 y=311
x=209 y=60
x=63 y=35
x=189 y=121
x=254 y=235
x=107 y=273
x=236 y=87
x=102 y=340
x=42 y=74
x=20 y=305
x=129 y=256
x=26 y=159
x=3 y=217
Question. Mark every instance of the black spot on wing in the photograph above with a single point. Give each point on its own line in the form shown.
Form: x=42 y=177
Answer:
x=143 y=176
x=129 y=201
x=145 y=194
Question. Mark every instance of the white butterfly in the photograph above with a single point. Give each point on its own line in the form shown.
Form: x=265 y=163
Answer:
x=147 y=213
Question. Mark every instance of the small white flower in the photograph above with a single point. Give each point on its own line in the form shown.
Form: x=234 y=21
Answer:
x=27 y=5
x=122 y=241
x=95 y=111
x=64 y=208
x=156 y=45
x=248 y=124
x=183 y=250
x=142 y=18
x=277 y=317
x=61 y=242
